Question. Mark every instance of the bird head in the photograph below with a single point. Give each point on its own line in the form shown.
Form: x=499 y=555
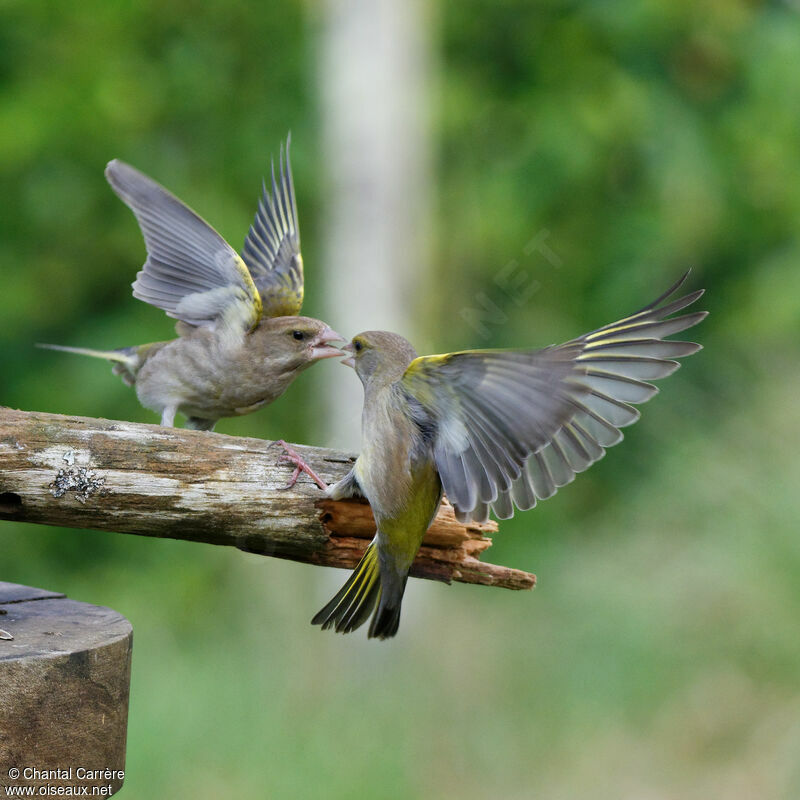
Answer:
x=379 y=356
x=297 y=342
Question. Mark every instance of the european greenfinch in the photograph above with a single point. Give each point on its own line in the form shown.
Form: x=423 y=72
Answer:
x=240 y=343
x=493 y=429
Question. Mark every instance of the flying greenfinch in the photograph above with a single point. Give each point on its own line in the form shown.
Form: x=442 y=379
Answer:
x=493 y=429
x=240 y=342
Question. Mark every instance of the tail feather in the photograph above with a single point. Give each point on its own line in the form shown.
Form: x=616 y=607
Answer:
x=123 y=355
x=353 y=603
x=386 y=619
x=366 y=588
x=126 y=360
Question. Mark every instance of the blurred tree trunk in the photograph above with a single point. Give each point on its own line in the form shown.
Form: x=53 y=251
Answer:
x=375 y=77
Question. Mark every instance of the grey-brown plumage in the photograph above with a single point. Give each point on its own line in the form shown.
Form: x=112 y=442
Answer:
x=240 y=343
x=494 y=429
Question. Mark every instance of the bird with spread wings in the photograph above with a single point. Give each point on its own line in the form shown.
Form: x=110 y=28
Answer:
x=493 y=429
x=240 y=340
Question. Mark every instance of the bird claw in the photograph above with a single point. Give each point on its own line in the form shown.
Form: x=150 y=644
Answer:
x=291 y=456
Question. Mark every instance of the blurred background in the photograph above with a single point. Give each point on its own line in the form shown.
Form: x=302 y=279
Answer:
x=472 y=174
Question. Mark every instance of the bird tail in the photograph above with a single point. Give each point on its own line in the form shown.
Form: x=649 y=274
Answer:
x=126 y=360
x=366 y=588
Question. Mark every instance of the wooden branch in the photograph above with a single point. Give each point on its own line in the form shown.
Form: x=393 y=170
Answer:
x=207 y=487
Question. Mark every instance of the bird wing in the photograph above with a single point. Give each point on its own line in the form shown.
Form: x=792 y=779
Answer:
x=191 y=272
x=511 y=427
x=272 y=247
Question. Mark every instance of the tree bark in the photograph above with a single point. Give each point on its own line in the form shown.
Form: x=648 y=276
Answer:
x=206 y=487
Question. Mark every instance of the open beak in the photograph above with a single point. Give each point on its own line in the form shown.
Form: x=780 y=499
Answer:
x=321 y=346
x=350 y=360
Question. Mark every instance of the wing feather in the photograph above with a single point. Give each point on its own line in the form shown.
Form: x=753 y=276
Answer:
x=512 y=427
x=191 y=272
x=272 y=246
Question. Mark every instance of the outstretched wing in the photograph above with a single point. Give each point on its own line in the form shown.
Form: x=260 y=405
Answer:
x=191 y=272
x=512 y=427
x=488 y=410
x=272 y=247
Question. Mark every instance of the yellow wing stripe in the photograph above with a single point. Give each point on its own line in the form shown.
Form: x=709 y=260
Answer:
x=253 y=294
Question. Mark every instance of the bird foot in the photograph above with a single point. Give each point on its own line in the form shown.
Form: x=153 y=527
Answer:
x=291 y=456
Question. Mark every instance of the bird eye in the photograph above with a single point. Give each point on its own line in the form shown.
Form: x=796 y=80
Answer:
x=299 y=335
x=358 y=346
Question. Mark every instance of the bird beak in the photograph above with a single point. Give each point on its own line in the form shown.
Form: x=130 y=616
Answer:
x=350 y=361
x=321 y=347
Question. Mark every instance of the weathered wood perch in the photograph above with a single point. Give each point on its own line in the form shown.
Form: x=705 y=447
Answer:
x=207 y=487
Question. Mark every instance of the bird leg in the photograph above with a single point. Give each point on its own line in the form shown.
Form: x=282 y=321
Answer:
x=346 y=487
x=291 y=456
x=200 y=424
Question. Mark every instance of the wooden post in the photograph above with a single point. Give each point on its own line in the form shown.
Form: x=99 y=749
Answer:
x=64 y=680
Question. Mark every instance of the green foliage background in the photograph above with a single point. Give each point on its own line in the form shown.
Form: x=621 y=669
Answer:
x=659 y=657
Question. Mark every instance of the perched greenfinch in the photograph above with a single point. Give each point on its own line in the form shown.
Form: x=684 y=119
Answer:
x=493 y=429
x=240 y=342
